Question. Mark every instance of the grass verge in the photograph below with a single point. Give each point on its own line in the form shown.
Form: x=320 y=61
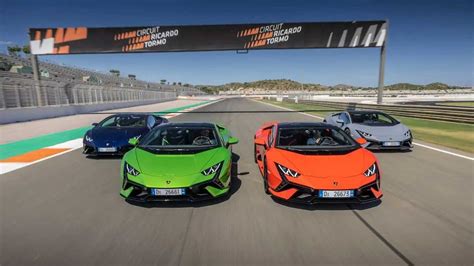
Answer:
x=460 y=104
x=454 y=135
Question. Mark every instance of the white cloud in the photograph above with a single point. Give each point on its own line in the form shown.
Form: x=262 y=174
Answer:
x=5 y=42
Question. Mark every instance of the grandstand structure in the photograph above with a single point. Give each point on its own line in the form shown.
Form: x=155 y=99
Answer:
x=65 y=85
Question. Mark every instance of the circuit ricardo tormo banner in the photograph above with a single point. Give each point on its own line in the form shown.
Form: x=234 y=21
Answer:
x=356 y=34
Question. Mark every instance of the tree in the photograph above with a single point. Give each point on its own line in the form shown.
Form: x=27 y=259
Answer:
x=163 y=81
x=115 y=72
x=174 y=83
x=26 y=49
x=13 y=50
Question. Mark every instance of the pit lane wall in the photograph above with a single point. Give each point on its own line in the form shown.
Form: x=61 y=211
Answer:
x=13 y=115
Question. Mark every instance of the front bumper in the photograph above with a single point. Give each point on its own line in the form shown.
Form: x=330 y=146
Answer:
x=207 y=190
x=378 y=145
x=90 y=149
x=194 y=193
x=365 y=191
x=303 y=195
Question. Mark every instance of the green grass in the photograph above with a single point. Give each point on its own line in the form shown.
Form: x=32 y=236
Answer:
x=463 y=104
x=454 y=135
x=321 y=110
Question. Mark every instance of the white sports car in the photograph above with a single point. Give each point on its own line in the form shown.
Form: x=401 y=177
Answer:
x=381 y=131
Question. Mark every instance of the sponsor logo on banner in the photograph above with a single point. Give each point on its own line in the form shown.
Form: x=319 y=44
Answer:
x=268 y=34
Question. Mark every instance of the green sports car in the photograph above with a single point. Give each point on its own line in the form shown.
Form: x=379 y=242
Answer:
x=178 y=162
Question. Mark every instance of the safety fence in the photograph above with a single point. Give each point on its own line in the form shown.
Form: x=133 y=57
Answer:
x=440 y=113
x=23 y=92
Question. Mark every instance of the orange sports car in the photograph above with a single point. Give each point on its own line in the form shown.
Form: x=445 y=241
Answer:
x=315 y=163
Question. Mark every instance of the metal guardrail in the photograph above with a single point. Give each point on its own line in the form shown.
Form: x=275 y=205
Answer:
x=440 y=113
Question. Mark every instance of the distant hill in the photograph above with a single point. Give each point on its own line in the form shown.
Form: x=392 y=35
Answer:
x=291 y=85
x=431 y=86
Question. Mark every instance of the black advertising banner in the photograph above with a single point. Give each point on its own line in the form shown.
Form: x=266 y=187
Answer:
x=357 y=34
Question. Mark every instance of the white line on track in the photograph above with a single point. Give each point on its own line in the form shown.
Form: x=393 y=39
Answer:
x=9 y=167
x=414 y=143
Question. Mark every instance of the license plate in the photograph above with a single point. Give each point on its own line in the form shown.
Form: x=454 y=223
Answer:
x=391 y=143
x=336 y=193
x=168 y=191
x=108 y=149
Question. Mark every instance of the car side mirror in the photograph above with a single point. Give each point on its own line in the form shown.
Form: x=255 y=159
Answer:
x=261 y=141
x=151 y=122
x=340 y=121
x=133 y=141
x=95 y=124
x=232 y=141
x=361 y=141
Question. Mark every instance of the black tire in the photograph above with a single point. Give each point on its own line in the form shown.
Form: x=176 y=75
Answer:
x=265 y=178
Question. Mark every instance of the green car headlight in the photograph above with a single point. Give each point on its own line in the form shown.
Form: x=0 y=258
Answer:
x=371 y=171
x=211 y=170
x=130 y=170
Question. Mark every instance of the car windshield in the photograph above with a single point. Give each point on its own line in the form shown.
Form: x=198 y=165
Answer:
x=314 y=138
x=124 y=120
x=182 y=137
x=373 y=119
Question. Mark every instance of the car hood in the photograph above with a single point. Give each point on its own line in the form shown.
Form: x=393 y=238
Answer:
x=395 y=132
x=176 y=164
x=343 y=165
x=115 y=136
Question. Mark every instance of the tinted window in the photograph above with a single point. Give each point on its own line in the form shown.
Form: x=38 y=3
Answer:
x=124 y=121
x=373 y=119
x=313 y=137
x=181 y=136
x=344 y=118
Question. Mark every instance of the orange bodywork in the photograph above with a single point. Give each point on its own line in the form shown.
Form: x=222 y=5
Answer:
x=316 y=171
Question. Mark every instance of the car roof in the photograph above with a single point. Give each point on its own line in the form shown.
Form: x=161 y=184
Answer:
x=304 y=124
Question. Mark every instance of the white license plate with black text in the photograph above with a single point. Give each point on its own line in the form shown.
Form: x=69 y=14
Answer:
x=336 y=193
x=168 y=191
x=391 y=143
x=107 y=149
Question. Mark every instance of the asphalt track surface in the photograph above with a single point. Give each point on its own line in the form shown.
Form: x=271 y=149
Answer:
x=67 y=210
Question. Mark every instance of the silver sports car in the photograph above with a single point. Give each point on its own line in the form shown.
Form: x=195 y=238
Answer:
x=381 y=131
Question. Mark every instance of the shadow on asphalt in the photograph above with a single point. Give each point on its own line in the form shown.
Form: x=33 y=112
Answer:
x=104 y=157
x=328 y=206
x=235 y=181
x=391 y=151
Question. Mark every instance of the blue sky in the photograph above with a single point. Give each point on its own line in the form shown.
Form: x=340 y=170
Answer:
x=428 y=41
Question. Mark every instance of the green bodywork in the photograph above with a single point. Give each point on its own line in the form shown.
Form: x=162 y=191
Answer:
x=180 y=170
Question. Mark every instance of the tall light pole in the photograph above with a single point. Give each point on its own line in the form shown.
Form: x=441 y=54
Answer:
x=36 y=78
x=383 y=50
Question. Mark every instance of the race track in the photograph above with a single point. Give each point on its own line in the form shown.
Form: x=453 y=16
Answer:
x=67 y=210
